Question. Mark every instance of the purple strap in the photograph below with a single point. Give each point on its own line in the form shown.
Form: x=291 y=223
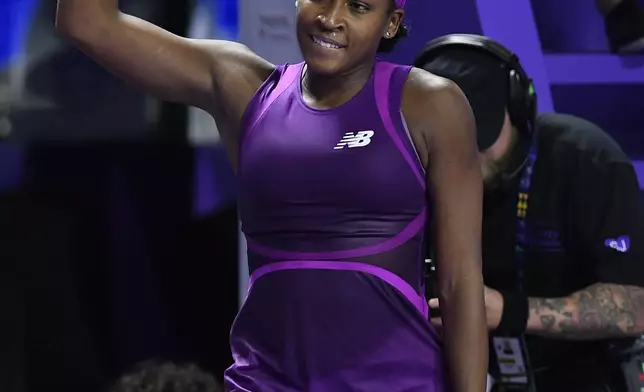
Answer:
x=289 y=75
x=384 y=72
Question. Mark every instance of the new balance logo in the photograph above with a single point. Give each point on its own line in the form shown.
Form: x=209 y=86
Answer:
x=352 y=140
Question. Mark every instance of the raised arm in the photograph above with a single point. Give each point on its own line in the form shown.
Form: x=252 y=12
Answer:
x=455 y=186
x=204 y=73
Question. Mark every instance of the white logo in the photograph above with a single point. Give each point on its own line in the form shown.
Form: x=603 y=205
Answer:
x=351 y=140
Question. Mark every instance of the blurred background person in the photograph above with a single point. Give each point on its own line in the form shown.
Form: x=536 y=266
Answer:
x=563 y=229
x=166 y=376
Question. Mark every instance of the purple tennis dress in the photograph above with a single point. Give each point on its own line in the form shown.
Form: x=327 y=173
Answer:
x=333 y=206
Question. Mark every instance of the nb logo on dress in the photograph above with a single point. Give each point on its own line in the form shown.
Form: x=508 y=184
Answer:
x=352 y=140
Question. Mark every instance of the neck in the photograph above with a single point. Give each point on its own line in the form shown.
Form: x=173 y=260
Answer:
x=519 y=154
x=333 y=90
x=516 y=158
x=509 y=165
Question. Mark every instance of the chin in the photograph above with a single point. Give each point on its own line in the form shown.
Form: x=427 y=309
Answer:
x=322 y=61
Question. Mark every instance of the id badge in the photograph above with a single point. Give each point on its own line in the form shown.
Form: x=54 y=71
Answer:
x=633 y=371
x=513 y=365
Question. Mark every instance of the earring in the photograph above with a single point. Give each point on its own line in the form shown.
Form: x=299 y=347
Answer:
x=388 y=34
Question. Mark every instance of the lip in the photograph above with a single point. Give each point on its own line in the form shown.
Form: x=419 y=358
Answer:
x=328 y=40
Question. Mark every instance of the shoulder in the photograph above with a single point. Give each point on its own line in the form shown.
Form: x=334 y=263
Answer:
x=236 y=71
x=277 y=82
x=582 y=157
x=285 y=73
x=430 y=100
x=434 y=89
x=235 y=54
x=565 y=136
x=282 y=77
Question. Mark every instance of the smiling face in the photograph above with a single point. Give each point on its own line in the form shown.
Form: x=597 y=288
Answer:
x=337 y=36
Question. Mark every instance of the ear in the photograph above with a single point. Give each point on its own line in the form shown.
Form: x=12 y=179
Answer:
x=393 y=23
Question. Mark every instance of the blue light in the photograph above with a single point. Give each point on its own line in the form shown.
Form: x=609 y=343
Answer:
x=15 y=22
x=227 y=17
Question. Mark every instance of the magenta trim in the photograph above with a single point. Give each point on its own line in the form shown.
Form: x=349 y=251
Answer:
x=392 y=279
x=405 y=235
x=383 y=79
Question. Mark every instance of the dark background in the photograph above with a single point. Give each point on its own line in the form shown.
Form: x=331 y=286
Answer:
x=109 y=257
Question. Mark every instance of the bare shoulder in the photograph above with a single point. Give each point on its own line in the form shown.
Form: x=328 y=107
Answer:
x=427 y=97
x=433 y=105
x=236 y=74
x=232 y=51
x=423 y=81
x=234 y=57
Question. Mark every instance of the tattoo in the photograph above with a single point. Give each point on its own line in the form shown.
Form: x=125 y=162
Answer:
x=599 y=311
x=548 y=321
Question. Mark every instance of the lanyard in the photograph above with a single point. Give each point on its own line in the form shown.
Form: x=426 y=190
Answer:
x=512 y=376
x=521 y=236
x=523 y=198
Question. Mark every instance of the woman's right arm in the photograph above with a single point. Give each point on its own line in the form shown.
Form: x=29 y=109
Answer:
x=204 y=73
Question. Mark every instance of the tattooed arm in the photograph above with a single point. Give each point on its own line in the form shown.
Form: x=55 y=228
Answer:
x=596 y=312
x=607 y=231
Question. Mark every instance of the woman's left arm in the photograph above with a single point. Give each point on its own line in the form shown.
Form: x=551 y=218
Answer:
x=443 y=117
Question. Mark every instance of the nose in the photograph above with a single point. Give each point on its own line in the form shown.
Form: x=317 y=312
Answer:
x=332 y=16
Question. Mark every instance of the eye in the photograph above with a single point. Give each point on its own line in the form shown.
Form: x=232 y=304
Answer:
x=358 y=6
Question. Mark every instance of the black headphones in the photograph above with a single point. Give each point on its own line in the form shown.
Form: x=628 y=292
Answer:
x=522 y=99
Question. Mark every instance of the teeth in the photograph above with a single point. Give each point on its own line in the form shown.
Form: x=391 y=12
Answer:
x=325 y=44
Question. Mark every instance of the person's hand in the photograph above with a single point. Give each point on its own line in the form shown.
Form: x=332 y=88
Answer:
x=493 y=309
